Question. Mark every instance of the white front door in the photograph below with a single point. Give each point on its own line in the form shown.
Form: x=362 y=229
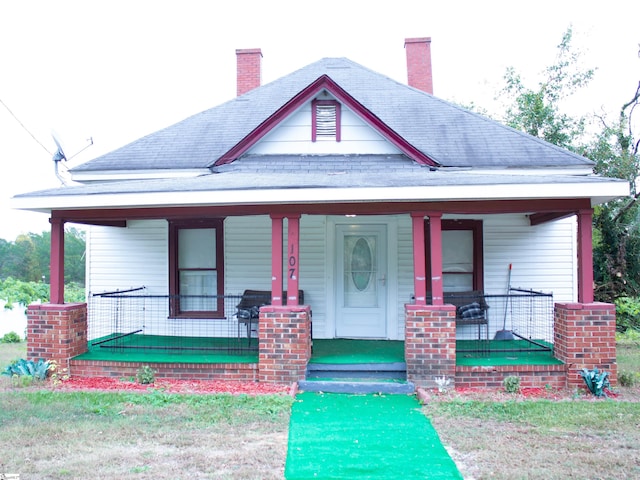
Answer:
x=361 y=286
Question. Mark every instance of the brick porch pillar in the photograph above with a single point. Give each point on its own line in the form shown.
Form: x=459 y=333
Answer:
x=285 y=343
x=430 y=343
x=585 y=337
x=56 y=332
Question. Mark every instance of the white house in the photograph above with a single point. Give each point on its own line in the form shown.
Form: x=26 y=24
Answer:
x=379 y=202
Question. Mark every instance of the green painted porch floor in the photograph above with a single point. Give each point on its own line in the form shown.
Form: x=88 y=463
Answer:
x=165 y=349
x=343 y=351
x=526 y=355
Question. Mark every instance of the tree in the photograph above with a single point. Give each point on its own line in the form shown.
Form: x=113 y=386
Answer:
x=28 y=257
x=74 y=255
x=617 y=223
x=614 y=149
x=538 y=111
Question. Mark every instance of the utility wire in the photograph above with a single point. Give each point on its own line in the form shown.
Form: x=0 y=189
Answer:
x=25 y=128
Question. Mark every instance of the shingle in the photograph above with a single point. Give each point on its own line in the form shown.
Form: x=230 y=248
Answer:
x=445 y=132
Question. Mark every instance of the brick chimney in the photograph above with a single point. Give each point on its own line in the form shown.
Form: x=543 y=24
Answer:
x=419 y=63
x=249 y=69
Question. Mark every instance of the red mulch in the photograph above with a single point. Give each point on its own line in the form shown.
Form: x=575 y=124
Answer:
x=172 y=386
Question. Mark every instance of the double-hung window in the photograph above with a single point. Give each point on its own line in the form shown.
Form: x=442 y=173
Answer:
x=462 y=261
x=196 y=276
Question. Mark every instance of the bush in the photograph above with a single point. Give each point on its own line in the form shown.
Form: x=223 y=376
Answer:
x=628 y=379
x=630 y=337
x=146 y=375
x=511 y=384
x=627 y=313
x=11 y=337
x=14 y=292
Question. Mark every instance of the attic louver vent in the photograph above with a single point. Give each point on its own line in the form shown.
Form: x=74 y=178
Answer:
x=325 y=120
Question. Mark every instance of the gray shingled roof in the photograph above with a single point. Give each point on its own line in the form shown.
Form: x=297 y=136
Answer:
x=446 y=133
x=364 y=171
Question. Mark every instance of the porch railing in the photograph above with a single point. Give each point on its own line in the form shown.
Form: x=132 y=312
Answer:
x=131 y=320
x=520 y=321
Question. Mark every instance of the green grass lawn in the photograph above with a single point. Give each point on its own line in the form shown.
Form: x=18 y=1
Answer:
x=10 y=352
x=62 y=435
x=59 y=435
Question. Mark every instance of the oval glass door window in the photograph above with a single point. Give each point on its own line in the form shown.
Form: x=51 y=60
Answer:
x=361 y=264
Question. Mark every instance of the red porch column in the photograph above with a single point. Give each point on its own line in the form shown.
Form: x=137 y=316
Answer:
x=435 y=235
x=56 y=269
x=419 y=259
x=293 y=257
x=585 y=256
x=585 y=337
x=276 y=259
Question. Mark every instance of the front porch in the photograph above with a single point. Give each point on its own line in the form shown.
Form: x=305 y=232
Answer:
x=535 y=368
x=582 y=336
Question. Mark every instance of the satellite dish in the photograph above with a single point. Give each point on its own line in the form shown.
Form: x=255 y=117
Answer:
x=59 y=155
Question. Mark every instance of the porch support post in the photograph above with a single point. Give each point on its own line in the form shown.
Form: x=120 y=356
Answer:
x=293 y=264
x=56 y=271
x=276 y=259
x=585 y=337
x=435 y=235
x=430 y=343
x=585 y=256
x=419 y=259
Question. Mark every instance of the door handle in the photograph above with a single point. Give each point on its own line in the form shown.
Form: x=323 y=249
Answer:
x=383 y=280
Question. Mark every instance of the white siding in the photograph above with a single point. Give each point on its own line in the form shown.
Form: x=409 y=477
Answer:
x=293 y=136
x=543 y=256
x=405 y=269
x=122 y=258
x=247 y=254
x=248 y=259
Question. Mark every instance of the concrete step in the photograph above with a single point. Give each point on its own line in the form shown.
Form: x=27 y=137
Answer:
x=382 y=371
x=357 y=386
x=390 y=378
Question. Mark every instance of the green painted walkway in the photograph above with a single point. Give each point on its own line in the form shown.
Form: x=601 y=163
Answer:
x=341 y=436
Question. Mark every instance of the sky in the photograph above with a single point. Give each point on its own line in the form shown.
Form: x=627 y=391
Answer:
x=116 y=70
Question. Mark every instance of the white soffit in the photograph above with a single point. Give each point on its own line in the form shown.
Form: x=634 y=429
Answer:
x=598 y=193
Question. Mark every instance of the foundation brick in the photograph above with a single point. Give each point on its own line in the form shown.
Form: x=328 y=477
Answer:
x=284 y=336
x=585 y=338
x=430 y=340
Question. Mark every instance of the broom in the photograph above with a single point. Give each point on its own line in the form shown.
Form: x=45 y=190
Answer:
x=505 y=334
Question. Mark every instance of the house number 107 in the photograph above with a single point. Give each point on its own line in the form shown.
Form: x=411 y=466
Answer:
x=293 y=263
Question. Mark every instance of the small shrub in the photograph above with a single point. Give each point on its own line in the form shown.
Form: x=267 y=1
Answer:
x=597 y=382
x=511 y=384
x=627 y=313
x=56 y=374
x=146 y=375
x=11 y=337
x=630 y=337
x=628 y=379
x=28 y=368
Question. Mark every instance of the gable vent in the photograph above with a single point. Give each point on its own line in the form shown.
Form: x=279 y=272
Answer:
x=325 y=121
